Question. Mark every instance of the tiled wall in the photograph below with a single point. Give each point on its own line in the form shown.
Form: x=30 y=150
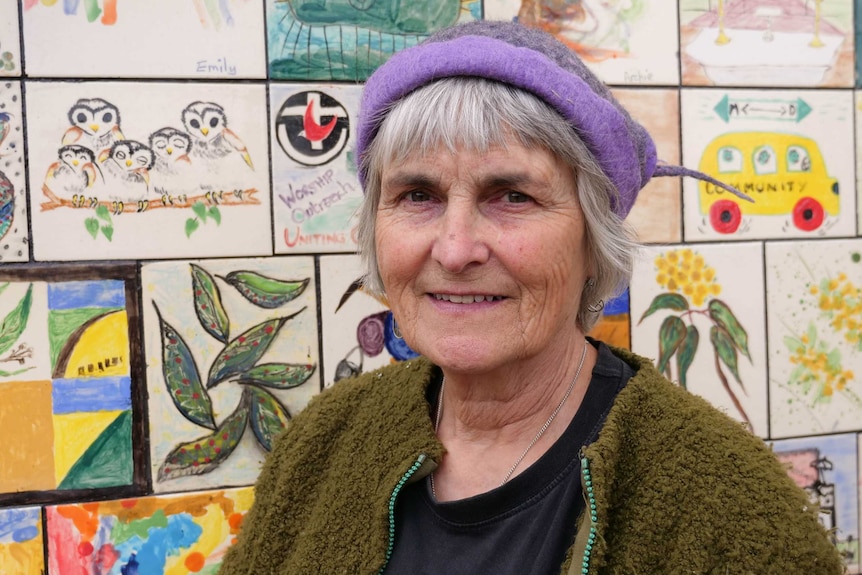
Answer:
x=176 y=233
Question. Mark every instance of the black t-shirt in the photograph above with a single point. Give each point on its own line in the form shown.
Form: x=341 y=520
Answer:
x=524 y=527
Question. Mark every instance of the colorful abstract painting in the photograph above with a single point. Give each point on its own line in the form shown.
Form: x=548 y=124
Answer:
x=697 y=310
x=13 y=192
x=315 y=190
x=349 y=39
x=614 y=327
x=791 y=151
x=21 y=550
x=767 y=42
x=153 y=170
x=10 y=57
x=231 y=353
x=358 y=333
x=622 y=41
x=65 y=391
x=814 y=303
x=169 y=535
x=827 y=469
x=153 y=39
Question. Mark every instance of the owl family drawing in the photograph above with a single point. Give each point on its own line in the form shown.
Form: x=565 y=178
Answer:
x=98 y=165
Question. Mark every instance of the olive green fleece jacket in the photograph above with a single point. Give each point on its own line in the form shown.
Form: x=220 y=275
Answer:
x=679 y=488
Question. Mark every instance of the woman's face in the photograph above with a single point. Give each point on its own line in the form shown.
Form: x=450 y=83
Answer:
x=482 y=255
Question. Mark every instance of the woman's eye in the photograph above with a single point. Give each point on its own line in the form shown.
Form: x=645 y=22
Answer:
x=418 y=196
x=517 y=197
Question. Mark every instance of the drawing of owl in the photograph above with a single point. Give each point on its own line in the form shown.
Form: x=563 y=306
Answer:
x=217 y=152
x=95 y=125
x=172 y=172
x=127 y=170
x=74 y=174
x=7 y=205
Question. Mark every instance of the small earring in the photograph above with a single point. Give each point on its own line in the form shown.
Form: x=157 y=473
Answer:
x=596 y=307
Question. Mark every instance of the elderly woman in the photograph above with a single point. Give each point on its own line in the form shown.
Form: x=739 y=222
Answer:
x=498 y=172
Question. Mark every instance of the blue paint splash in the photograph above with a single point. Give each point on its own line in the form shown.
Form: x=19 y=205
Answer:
x=150 y=555
x=97 y=293
x=19 y=525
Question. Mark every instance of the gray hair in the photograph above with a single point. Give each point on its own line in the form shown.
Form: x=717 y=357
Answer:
x=480 y=114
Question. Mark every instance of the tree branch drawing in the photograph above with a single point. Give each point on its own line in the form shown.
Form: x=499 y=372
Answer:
x=691 y=283
x=237 y=362
x=12 y=327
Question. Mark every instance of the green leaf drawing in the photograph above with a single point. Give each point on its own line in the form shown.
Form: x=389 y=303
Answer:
x=3 y=287
x=108 y=232
x=16 y=372
x=200 y=210
x=794 y=344
x=15 y=321
x=685 y=353
x=278 y=375
x=264 y=291
x=670 y=336
x=206 y=453
x=723 y=345
x=672 y=301
x=182 y=379
x=215 y=214
x=268 y=416
x=192 y=224
x=724 y=318
x=242 y=353
x=92 y=225
x=103 y=213
x=208 y=305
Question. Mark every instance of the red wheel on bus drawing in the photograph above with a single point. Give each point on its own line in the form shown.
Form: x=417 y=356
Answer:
x=725 y=216
x=808 y=214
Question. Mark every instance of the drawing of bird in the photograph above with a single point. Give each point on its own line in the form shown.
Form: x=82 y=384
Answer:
x=172 y=171
x=75 y=174
x=311 y=130
x=127 y=170
x=214 y=146
x=7 y=204
x=95 y=125
x=5 y=129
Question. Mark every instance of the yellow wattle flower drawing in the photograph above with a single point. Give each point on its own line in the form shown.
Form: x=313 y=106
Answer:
x=685 y=272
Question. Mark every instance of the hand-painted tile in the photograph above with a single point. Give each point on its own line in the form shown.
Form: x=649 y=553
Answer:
x=699 y=311
x=231 y=348
x=814 y=303
x=624 y=43
x=188 y=533
x=21 y=541
x=358 y=331
x=10 y=53
x=826 y=467
x=858 y=102
x=614 y=327
x=13 y=192
x=315 y=189
x=348 y=40
x=657 y=214
x=775 y=43
x=66 y=384
x=148 y=170
x=153 y=39
x=789 y=150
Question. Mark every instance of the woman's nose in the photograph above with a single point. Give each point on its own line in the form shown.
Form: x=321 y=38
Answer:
x=460 y=241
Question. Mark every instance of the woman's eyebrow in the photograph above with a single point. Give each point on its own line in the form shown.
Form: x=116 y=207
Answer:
x=411 y=179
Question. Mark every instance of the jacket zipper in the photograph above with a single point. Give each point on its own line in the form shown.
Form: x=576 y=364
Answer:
x=591 y=508
x=401 y=482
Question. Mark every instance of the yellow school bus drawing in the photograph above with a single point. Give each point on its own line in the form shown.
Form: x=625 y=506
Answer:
x=783 y=173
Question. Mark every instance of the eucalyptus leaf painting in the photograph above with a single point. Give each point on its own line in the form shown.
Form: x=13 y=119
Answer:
x=231 y=350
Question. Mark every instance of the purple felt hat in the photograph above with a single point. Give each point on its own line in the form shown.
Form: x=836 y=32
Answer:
x=537 y=63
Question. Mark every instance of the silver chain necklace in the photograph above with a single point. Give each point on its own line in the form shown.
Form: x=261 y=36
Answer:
x=541 y=432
